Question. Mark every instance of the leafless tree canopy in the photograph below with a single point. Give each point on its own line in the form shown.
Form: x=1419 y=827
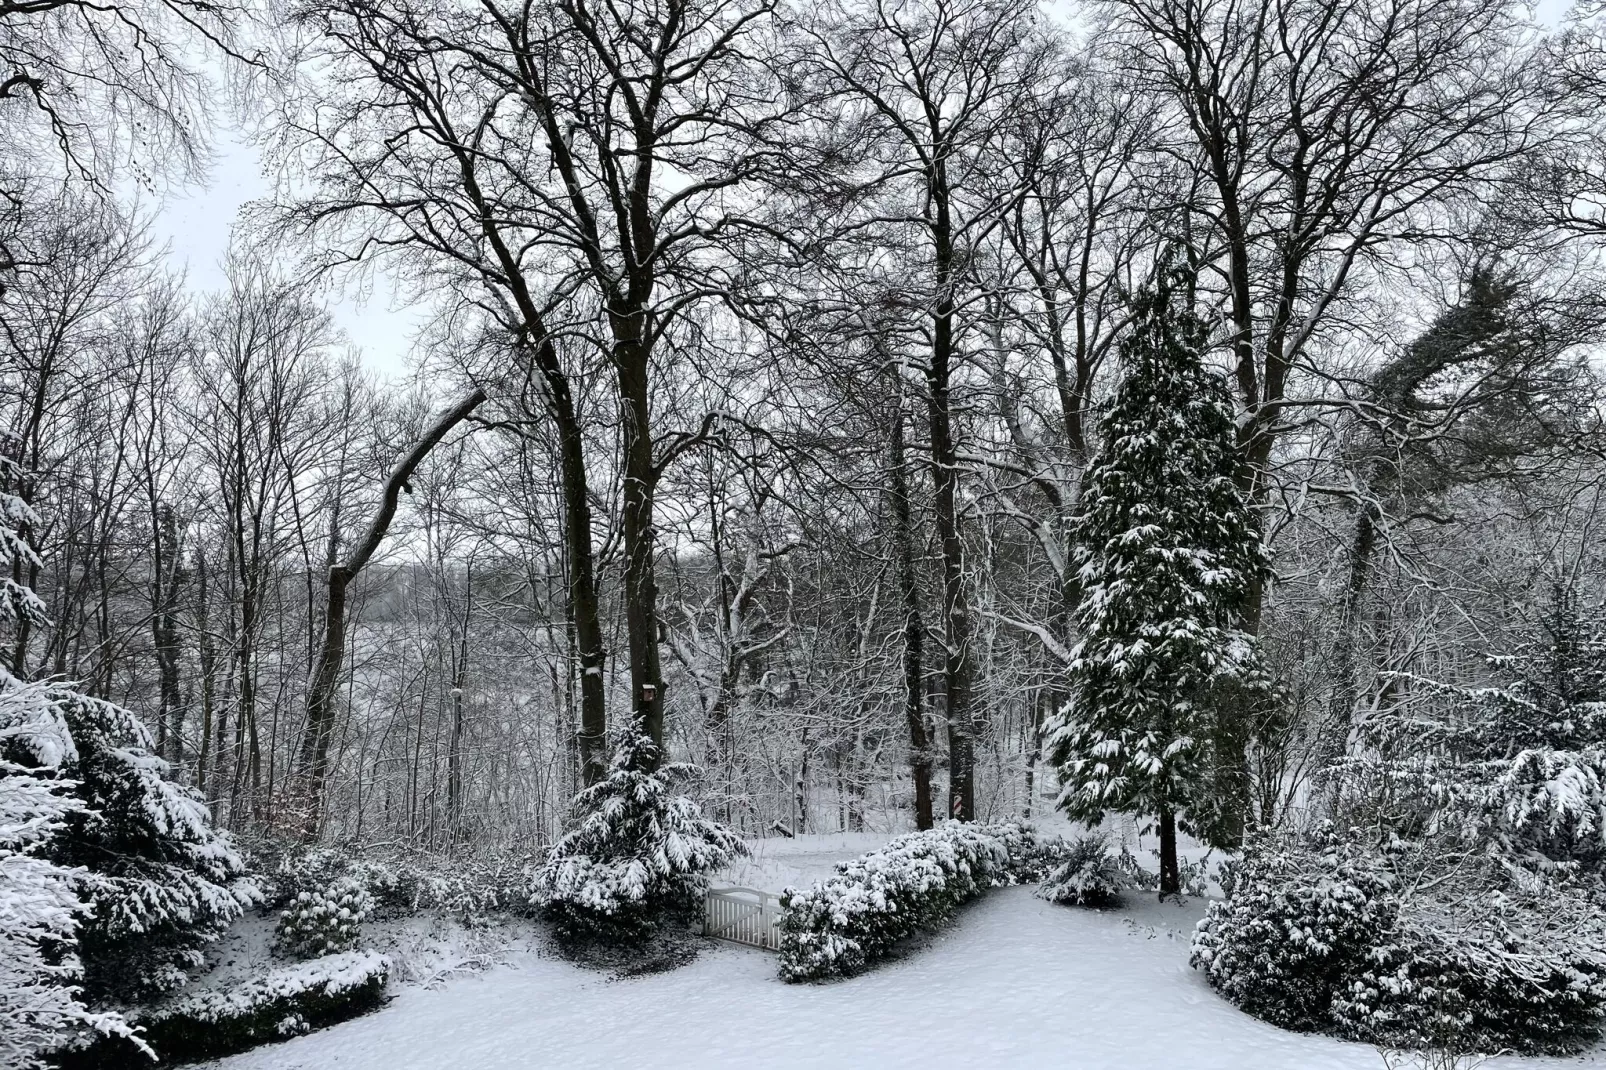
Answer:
x=765 y=356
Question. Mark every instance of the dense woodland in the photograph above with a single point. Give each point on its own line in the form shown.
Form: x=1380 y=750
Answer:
x=769 y=347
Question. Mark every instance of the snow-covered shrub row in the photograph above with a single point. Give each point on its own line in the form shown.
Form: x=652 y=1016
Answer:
x=1338 y=936
x=465 y=886
x=284 y=1003
x=638 y=859
x=323 y=920
x=839 y=926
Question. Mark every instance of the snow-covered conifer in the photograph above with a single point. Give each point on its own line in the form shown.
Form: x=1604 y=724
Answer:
x=639 y=856
x=41 y=905
x=1165 y=551
x=162 y=881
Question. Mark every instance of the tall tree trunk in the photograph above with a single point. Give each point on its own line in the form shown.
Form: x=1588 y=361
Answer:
x=914 y=629
x=454 y=750
x=631 y=358
x=208 y=677
x=1362 y=543
x=957 y=670
x=1170 y=871
x=312 y=758
x=164 y=634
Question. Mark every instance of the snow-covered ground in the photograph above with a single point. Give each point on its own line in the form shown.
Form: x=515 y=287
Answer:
x=1016 y=982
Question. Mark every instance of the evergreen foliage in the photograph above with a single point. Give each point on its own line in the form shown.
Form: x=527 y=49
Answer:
x=1165 y=552
x=1391 y=946
x=323 y=919
x=41 y=901
x=1086 y=875
x=162 y=882
x=639 y=857
x=283 y=1003
x=840 y=926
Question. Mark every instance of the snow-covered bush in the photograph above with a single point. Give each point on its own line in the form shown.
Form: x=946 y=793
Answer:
x=639 y=857
x=1295 y=927
x=469 y=887
x=281 y=1004
x=162 y=882
x=1088 y=874
x=1337 y=936
x=40 y=902
x=839 y=926
x=323 y=919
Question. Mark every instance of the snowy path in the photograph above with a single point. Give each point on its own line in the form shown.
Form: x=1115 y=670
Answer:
x=1016 y=983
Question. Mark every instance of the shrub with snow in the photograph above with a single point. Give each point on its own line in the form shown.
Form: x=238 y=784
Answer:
x=40 y=902
x=1335 y=936
x=323 y=919
x=162 y=882
x=1296 y=924
x=839 y=926
x=281 y=1004
x=639 y=857
x=1087 y=875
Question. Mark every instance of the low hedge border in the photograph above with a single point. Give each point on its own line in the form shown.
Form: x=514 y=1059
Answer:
x=281 y=1004
x=843 y=924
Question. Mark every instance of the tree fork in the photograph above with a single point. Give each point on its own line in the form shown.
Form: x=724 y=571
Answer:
x=312 y=759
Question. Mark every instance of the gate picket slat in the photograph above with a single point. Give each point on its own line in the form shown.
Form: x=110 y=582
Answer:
x=743 y=916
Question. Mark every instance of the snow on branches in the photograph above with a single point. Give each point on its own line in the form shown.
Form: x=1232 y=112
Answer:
x=1165 y=552
x=639 y=856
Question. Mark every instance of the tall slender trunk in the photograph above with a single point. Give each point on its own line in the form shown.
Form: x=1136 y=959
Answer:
x=1362 y=543
x=164 y=635
x=1170 y=871
x=957 y=669
x=914 y=629
x=631 y=357
x=208 y=676
x=454 y=751
x=312 y=757
x=581 y=601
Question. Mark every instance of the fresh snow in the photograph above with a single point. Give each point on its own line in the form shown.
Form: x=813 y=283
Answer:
x=1015 y=982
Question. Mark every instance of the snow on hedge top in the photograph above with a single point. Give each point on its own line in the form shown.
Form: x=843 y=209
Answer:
x=333 y=975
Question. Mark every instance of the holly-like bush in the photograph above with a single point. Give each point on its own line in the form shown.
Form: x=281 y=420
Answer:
x=323 y=920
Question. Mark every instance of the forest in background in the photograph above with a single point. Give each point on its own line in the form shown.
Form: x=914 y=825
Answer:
x=771 y=345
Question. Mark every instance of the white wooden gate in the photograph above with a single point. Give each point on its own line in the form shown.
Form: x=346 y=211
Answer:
x=744 y=915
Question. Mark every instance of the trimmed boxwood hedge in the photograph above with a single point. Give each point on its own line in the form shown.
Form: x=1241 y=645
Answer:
x=281 y=1004
x=839 y=926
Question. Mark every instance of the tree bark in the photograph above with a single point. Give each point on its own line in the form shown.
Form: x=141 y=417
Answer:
x=631 y=358
x=957 y=670
x=313 y=756
x=914 y=629
x=1170 y=872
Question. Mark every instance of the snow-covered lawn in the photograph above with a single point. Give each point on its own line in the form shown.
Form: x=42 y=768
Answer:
x=1016 y=982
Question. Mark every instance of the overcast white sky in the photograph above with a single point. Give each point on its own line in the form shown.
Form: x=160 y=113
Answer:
x=194 y=226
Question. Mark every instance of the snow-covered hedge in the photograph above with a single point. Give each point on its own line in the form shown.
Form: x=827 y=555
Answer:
x=839 y=926
x=401 y=885
x=1340 y=937
x=281 y=1004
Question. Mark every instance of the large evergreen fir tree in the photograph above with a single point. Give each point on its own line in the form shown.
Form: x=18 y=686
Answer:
x=1165 y=551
